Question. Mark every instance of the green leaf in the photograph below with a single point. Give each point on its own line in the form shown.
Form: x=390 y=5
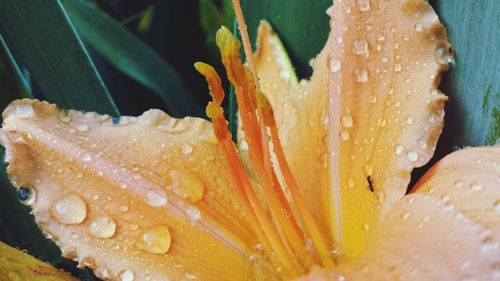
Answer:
x=13 y=83
x=131 y=56
x=17 y=226
x=303 y=26
x=473 y=82
x=44 y=41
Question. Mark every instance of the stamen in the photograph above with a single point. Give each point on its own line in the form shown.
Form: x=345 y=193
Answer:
x=256 y=214
x=311 y=226
x=247 y=47
x=245 y=92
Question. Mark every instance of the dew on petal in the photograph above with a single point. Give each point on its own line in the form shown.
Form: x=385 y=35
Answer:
x=335 y=65
x=126 y=275
x=363 y=5
x=186 y=148
x=82 y=128
x=69 y=209
x=155 y=239
x=102 y=227
x=476 y=186
x=193 y=213
x=418 y=27
x=412 y=156
x=399 y=149
x=172 y=125
x=360 y=47
x=24 y=110
x=347 y=121
x=443 y=54
x=405 y=215
x=187 y=185
x=361 y=75
x=496 y=206
x=156 y=198
x=344 y=135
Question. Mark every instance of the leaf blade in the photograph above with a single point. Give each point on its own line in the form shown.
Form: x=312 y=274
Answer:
x=43 y=40
x=131 y=56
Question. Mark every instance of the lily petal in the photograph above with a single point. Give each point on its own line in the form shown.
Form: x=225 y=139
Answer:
x=422 y=238
x=468 y=179
x=386 y=113
x=17 y=265
x=148 y=197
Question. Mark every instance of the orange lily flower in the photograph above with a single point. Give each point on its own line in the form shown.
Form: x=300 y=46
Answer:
x=315 y=189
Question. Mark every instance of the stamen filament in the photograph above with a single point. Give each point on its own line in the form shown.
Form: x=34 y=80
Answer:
x=310 y=224
x=261 y=223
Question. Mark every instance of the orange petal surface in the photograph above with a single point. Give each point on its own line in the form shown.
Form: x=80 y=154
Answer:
x=468 y=179
x=423 y=238
x=17 y=265
x=145 y=198
x=352 y=157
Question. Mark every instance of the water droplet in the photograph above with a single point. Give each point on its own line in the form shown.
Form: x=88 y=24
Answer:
x=86 y=158
x=409 y=120
x=443 y=54
x=24 y=110
x=368 y=169
x=381 y=121
x=347 y=121
x=372 y=99
x=344 y=135
x=418 y=27
x=361 y=75
x=399 y=149
x=360 y=47
x=405 y=215
x=350 y=183
x=475 y=186
x=366 y=227
x=397 y=67
x=186 y=148
x=412 y=156
x=496 y=205
x=172 y=125
x=324 y=118
x=82 y=128
x=69 y=209
x=155 y=239
x=64 y=116
x=27 y=195
x=363 y=5
x=458 y=183
x=189 y=276
x=102 y=227
x=445 y=198
x=126 y=275
x=193 y=213
x=244 y=145
x=156 y=198
x=335 y=64
x=339 y=39
x=187 y=185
